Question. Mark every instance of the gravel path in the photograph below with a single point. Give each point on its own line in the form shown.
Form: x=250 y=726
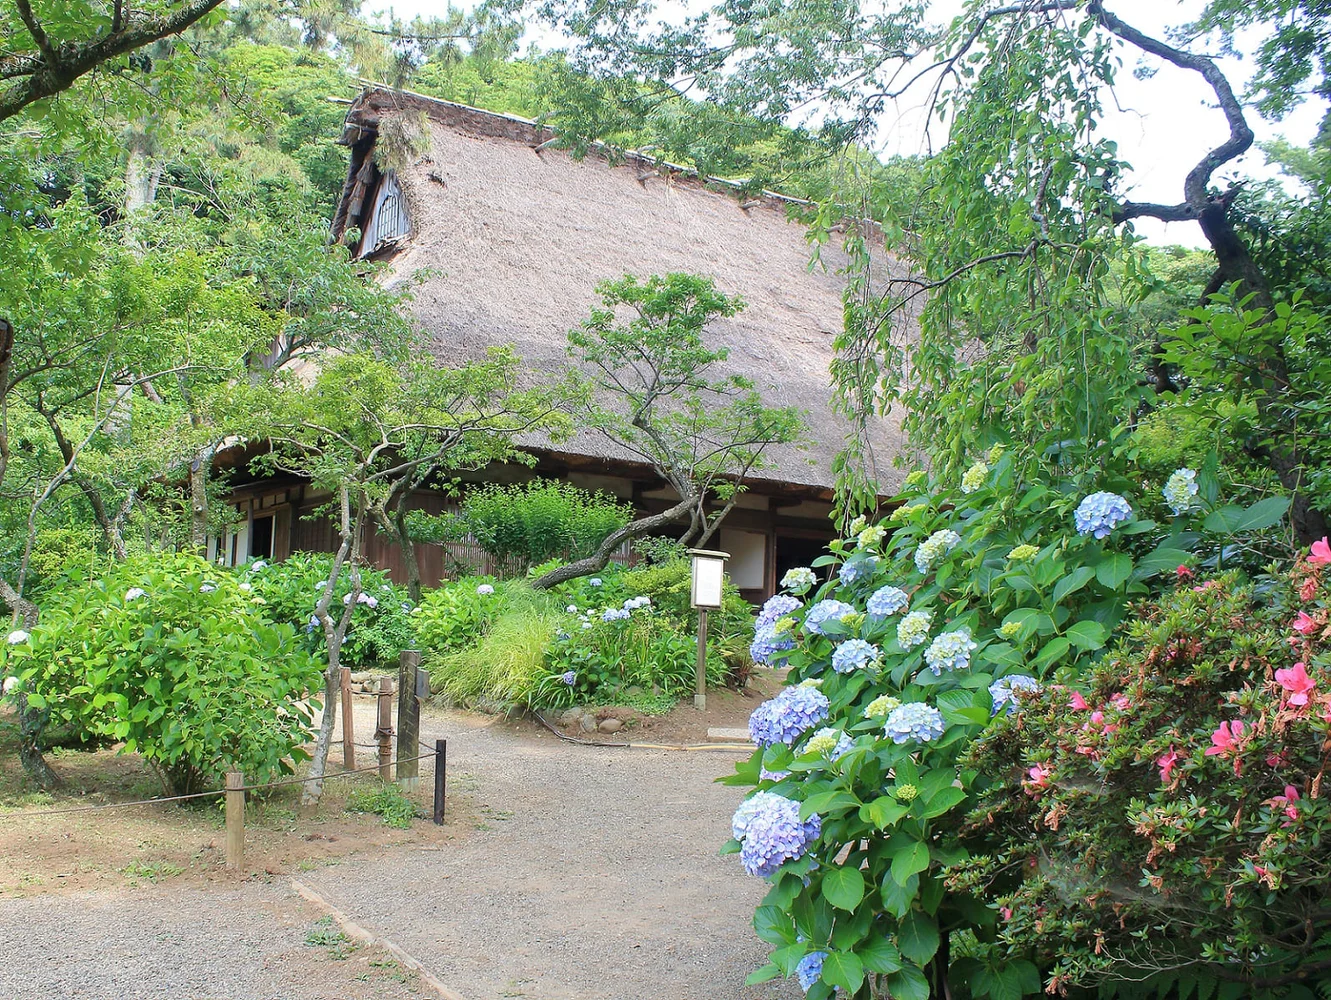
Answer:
x=595 y=876
x=592 y=874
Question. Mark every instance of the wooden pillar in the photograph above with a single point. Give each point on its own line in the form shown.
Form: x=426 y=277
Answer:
x=235 y=820
x=384 y=732
x=408 y=720
x=348 y=723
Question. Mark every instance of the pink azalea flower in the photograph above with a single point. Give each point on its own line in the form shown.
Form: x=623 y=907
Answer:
x=1304 y=624
x=1184 y=573
x=1078 y=702
x=1121 y=702
x=1296 y=682
x=1321 y=552
x=1166 y=762
x=1308 y=589
x=1277 y=759
x=1005 y=912
x=1225 y=738
x=1039 y=776
x=1285 y=802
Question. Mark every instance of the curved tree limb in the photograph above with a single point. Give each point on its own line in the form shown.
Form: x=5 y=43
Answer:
x=57 y=64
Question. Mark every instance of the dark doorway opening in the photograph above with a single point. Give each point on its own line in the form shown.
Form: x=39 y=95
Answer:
x=261 y=538
x=792 y=552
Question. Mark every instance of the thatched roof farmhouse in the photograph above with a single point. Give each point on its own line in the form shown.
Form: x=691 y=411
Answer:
x=515 y=234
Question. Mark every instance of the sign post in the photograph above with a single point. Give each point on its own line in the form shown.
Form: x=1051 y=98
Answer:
x=709 y=572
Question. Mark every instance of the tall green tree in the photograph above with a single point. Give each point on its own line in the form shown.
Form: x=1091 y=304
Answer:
x=656 y=393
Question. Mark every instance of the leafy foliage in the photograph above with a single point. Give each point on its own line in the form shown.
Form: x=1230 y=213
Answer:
x=176 y=660
x=529 y=523
x=1135 y=839
x=999 y=587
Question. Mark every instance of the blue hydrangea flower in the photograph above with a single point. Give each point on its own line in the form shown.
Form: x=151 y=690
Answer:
x=854 y=654
x=1003 y=690
x=615 y=614
x=569 y=677
x=595 y=581
x=935 y=547
x=1179 y=490
x=766 y=775
x=950 y=651
x=1100 y=513
x=914 y=721
x=485 y=589
x=774 y=610
x=749 y=808
x=856 y=569
x=887 y=601
x=767 y=647
x=783 y=718
x=824 y=611
x=775 y=834
x=810 y=969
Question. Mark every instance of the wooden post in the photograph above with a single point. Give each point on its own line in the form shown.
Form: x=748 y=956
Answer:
x=408 y=720
x=348 y=723
x=235 y=820
x=384 y=732
x=440 y=777
x=700 y=681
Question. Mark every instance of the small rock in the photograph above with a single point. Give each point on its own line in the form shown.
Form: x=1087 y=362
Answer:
x=610 y=726
x=361 y=676
x=586 y=723
x=570 y=717
x=635 y=691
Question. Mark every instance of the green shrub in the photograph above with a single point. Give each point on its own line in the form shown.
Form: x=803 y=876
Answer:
x=177 y=659
x=600 y=652
x=386 y=800
x=455 y=616
x=498 y=666
x=382 y=624
x=1135 y=846
x=528 y=523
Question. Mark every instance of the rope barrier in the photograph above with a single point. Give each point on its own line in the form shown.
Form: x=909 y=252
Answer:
x=219 y=791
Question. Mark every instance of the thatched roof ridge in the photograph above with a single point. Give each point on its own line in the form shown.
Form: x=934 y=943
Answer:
x=516 y=235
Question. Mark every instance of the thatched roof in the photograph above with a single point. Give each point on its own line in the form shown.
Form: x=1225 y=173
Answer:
x=516 y=238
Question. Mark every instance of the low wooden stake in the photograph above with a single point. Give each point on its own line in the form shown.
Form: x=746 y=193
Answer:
x=384 y=732
x=235 y=820
x=348 y=723
x=440 y=776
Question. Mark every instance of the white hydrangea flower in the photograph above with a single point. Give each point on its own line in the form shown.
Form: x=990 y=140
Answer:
x=17 y=636
x=973 y=478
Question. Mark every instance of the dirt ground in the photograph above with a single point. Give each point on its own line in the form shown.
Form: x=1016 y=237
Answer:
x=563 y=871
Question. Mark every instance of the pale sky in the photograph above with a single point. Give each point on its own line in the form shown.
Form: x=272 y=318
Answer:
x=1167 y=121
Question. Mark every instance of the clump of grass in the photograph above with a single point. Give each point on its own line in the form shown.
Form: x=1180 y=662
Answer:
x=387 y=801
x=151 y=871
x=501 y=667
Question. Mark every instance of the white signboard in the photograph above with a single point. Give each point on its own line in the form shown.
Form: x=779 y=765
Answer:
x=709 y=571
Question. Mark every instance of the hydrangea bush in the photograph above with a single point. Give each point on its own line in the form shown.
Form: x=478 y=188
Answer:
x=971 y=601
x=175 y=660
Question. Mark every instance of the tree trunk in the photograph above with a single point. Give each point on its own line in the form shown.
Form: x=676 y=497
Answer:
x=334 y=634
x=410 y=558
x=31 y=721
x=598 y=559
x=198 y=498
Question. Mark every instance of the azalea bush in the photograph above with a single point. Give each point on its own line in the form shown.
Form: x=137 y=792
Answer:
x=1165 y=826
x=968 y=596
x=382 y=623
x=176 y=661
